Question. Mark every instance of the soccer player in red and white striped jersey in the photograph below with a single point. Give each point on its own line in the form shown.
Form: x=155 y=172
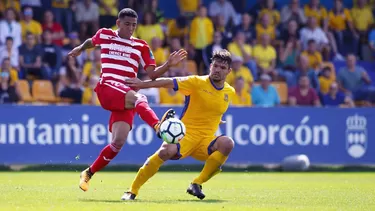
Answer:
x=121 y=55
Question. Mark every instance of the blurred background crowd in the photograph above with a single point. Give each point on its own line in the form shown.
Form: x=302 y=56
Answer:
x=286 y=52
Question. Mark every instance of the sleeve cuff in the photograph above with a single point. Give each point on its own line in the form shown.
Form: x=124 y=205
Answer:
x=175 y=84
x=149 y=65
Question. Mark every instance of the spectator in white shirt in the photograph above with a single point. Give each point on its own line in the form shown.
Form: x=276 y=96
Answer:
x=87 y=15
x=9 y=27
x=313 y=32
x=224 y=8
x=10 y=51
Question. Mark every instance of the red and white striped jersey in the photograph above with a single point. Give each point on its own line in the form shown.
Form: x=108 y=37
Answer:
x=120 y=57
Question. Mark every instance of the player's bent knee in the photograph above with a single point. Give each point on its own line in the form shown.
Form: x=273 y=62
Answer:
x=130 y=99
x=225 y=145
x=167 y=151
x=140 y=98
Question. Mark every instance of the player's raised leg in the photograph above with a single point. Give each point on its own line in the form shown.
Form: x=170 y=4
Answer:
x=220 y=152
x=120 y=131
x=150 y=167
x=147 y=114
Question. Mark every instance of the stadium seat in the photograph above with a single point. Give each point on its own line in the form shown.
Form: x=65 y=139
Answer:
x=24 y=88
x=43 y=91
x=192 y=67
x=332 y=67
x=282 y=89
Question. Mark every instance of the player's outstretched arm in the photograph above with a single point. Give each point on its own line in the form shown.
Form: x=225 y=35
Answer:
x=174 y=59
x=136 y=83
x=79 y=49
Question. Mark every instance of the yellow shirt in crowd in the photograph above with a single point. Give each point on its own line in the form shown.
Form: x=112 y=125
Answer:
x=243 y=72
x=362 y=18
x=319 y=14
x=188 y=5
x=235 y=50
x=243 y=99
x=201 y=32
x=89 y=69
x=5 y=4
x=109 y=3
x=260 y=30
x=264 y=55
x=60 y=4
x=338 y=21
x=13 y=75
x=33 y=27
x=370 y=3
x=174 y=31
x=273 y=14
x=87 y=96
x=147 y=32
x=325 y=84
x=160 y=56
x=170 y=97
x=315 y=59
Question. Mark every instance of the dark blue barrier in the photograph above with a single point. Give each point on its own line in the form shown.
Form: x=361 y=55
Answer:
x=76 y=134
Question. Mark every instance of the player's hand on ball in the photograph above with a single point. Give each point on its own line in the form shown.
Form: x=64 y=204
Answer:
x=75 y=52
x=176 y=57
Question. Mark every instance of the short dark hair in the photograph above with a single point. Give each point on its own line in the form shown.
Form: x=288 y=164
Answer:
x=326 y=68
x=222 y=56
x=181 y=22
x=310 y=41
x=29 y=34
x=153 y=17
x=9 y=38
x=5 y=59
x=201 y=6
x=127 y=12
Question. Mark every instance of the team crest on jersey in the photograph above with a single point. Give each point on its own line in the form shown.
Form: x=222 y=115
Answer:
x=226 y=97
x=151 y=54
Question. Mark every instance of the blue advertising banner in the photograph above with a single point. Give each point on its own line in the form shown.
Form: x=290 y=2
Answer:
x=76 y=134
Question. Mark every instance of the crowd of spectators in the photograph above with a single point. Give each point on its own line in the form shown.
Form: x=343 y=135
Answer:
x=282 y=54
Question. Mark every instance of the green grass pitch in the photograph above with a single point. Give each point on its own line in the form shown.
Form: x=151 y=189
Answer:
x=166 y=191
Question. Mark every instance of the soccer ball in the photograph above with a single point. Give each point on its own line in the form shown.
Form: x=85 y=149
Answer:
x=172 y=130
